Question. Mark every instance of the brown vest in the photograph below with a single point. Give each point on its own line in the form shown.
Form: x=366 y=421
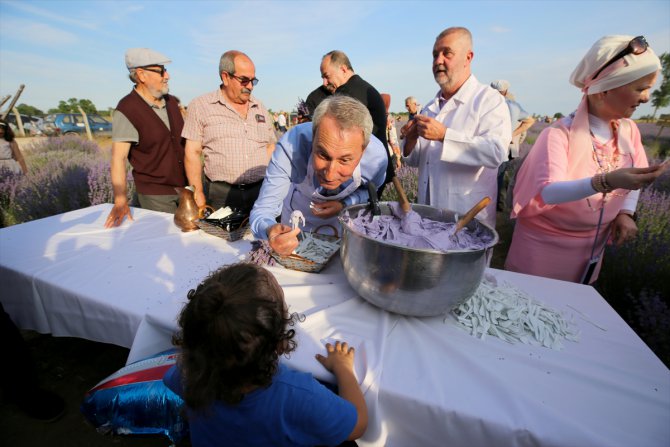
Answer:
x=158 y=157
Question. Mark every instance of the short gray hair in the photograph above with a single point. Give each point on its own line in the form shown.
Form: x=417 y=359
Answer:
x=348 y=113
x=133 y=76
x=411 y=99
x=462 y=31
x=227 y=61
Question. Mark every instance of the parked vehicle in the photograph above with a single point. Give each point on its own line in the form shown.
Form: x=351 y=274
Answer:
x=73 y=123
x=32 y=125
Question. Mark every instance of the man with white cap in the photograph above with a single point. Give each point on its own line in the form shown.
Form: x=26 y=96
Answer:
x=147 y=132
x=461 y=136
x=521 y=122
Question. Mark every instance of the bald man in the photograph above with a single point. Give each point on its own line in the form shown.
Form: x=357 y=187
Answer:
x=461 y=136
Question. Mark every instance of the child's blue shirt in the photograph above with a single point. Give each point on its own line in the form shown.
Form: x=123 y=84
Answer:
x=295 y=410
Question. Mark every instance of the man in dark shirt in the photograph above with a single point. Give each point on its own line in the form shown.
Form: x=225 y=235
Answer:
x=314 y=99
x=339 y=77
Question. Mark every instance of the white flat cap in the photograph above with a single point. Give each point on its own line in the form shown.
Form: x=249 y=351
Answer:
x=501 y=85
x=143 y=57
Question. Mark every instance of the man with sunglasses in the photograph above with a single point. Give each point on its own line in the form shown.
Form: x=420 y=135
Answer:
x=234 y=132
x=146 y=131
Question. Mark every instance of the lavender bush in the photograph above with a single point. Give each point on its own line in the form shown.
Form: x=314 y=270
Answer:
x=409 y=179
x=634 y=276
x=65 y=174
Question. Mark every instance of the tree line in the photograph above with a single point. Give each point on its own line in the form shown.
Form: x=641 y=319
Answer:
x=70 y=106
x=659 y=98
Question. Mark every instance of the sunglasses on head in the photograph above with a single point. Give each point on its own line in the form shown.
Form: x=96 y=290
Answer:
x=636 y=46
x=244 y=81
x=160 y=69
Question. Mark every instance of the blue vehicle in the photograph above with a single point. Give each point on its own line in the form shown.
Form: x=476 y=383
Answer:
x=73 y=124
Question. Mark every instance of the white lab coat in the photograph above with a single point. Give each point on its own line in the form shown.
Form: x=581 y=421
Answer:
x=461 y=170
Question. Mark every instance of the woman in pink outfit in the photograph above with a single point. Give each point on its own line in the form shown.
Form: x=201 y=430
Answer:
x=578 y=186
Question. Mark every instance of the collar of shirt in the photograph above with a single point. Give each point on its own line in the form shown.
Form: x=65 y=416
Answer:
x=219 y=97
x=462 y=96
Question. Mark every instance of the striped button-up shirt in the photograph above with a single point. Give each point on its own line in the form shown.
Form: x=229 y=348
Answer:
x=235 y=148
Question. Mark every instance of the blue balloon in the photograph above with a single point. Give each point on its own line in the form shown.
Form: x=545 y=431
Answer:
x=134 y=400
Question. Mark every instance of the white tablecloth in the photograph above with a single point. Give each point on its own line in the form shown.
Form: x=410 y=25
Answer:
x=426 y=381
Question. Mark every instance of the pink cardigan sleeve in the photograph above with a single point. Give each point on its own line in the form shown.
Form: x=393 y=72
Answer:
x=546 y=162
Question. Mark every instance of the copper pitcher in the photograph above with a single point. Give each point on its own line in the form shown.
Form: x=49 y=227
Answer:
x=188 y=212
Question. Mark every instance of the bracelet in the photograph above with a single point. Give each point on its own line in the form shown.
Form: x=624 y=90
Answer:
x=607 y=186
x=597 y=184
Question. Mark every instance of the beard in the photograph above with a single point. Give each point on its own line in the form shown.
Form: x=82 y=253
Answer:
x=442 y=76
x=159 y=93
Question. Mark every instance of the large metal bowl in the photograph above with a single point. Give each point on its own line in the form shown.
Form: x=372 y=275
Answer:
x=409 y=281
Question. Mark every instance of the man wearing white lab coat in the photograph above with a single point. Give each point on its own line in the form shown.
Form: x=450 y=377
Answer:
x=461 y=136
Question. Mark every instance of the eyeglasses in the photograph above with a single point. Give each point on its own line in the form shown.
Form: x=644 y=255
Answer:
x=244 y=81
x=636 y=46
x=160 y=69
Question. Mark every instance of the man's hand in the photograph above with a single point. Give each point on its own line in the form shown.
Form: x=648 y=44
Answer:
x=325 y=210
x=430 y=128
x=283 y=239
x=116 y=215
x=199 y=197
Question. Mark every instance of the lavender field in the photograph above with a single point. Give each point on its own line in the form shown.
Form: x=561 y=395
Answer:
x=68 y=173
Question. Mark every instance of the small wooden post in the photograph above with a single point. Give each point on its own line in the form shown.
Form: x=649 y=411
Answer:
x=19 y=122
x=88 y=128
x=13 y=103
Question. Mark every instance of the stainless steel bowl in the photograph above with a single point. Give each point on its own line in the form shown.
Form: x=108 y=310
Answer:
x=409 y=281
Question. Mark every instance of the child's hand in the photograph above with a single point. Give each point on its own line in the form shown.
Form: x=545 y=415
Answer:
x=340 y=357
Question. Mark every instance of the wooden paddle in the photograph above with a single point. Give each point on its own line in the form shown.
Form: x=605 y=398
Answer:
x=404 y=202
x=467 y=217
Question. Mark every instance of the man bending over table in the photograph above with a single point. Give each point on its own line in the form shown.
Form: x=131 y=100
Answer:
x=319 y=168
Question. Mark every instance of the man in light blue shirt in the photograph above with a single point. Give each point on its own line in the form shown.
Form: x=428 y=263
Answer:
x=318 y=168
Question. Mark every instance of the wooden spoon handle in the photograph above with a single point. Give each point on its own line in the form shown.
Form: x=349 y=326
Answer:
x=404 y=202
x=463 y=221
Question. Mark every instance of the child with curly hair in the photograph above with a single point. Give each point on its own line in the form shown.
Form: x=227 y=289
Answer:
x=233 y=330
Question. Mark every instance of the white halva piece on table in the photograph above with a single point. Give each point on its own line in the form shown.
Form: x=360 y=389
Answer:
x=503 y=311
x=315 y=249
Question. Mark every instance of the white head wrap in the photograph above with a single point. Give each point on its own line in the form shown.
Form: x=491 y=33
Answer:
x=624 y=71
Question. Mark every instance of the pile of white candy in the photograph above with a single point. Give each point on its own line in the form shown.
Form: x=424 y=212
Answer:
x=503 y=311
x=314 y=249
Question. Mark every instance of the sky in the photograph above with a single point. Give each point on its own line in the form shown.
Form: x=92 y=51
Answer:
x=73 y=48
